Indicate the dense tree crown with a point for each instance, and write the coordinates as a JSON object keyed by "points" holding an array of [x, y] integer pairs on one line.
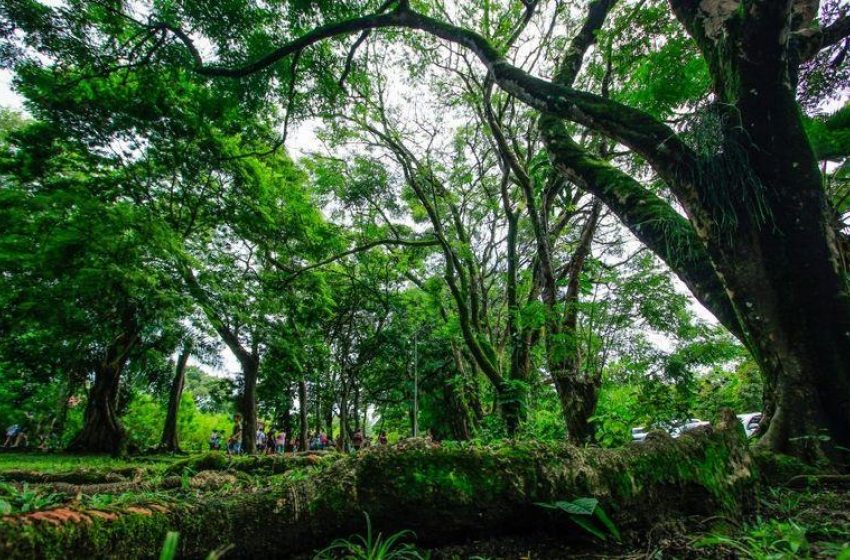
{"points": [[497, 218]]}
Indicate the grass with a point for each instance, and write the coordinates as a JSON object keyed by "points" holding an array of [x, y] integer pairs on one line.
{"points": [[56, 463]]}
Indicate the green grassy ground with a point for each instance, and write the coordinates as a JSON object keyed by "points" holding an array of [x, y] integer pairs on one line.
{"points": [[55, 463]]}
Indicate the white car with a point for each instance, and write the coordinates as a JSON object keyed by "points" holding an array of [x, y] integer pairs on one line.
{"points": [[639, 433], [687, 426], [750, 421]]}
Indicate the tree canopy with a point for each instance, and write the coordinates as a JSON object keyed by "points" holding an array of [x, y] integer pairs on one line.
{"points": [[489, 218]]}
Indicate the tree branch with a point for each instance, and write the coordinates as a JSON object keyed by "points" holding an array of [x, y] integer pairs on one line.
{"points": [[651, 138], [359, 249]]}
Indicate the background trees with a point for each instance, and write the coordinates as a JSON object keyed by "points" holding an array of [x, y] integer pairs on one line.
{"points": [[502, 220]]}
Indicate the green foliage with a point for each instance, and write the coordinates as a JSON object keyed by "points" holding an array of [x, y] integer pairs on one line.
{"points": [[587, 514], [145, 417], [372, 547], [769, 540], [169, 547], [26, 499]]}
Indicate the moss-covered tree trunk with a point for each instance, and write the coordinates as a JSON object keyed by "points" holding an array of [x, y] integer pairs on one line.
{"points": [[758, 247], [102, 431], [442, 494], [767, 225], [169, 440]]}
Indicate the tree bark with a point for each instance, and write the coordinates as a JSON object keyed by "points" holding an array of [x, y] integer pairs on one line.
{"points": [[578, 389], [770, 233], [102, 431], [248, 405], [170, 441]]}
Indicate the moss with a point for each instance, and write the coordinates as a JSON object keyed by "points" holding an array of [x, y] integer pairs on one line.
{"points": [[258, 464], [776, 469], [77, 476], [440, 493]]}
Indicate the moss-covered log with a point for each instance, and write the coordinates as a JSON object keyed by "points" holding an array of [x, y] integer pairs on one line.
{"points": [[77, 476], [255, 464], [441, 493]]}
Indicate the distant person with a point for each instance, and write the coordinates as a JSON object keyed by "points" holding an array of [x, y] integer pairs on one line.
{"points": [[357, 439], [270, 441], [215, 441], [280, 443], [316, 442], [23, 432], [382, 438], [260, 440], [323, 437], [234, 444], [12, 435]]}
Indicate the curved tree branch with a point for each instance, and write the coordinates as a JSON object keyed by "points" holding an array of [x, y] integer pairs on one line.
{"points": [[643, 133]]}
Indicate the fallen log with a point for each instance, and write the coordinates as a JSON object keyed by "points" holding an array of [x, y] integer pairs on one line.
{"points": [[255, 464], [441, 493]]}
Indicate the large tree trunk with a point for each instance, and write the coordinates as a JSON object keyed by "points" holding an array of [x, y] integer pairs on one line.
{"points": [[768, 227], [248, 405], [468, 493], [457, 413], [169, 440], [102, 431]]}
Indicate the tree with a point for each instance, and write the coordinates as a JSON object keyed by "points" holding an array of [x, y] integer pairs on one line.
{"points": [[777, 282], [169, 440], [756, 240]]}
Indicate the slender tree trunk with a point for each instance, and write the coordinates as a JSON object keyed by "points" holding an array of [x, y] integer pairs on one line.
{"points": [[318, 396], [343, 418], [102, 431], [248, 405], [302, 412], [578, 389], [169, 440], [356, 408], [289, 426], [63, 405], [329, 420]]}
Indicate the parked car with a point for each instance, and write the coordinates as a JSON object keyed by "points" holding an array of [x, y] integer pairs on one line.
{"points": [[639, 434], [750, 421], [687, 426]]}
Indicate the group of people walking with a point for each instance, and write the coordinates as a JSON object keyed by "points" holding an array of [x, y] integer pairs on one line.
{"points": [[270, 441], [18, 434]]}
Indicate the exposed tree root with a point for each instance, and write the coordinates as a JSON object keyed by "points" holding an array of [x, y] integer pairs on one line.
{"points": [[81, 476]]}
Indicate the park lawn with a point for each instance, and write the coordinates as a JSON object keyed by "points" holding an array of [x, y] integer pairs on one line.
{"points": [[56, 462]]}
